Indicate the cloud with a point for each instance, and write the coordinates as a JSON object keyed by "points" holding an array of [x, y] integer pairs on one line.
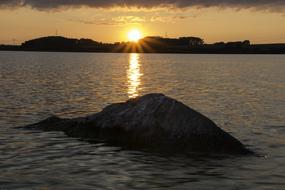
{"points": [[115, 21], [167, 19], [123, 20], [273, 5]]}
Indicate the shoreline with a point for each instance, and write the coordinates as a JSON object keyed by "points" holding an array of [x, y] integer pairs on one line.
{"points": [[181, 45], [193, 53]]}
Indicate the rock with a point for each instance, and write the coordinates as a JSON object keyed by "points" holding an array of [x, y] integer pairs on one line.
{"points": [[150, 121]]}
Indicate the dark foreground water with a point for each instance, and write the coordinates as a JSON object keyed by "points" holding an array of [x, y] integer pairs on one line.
{"points": [[243, 94]]}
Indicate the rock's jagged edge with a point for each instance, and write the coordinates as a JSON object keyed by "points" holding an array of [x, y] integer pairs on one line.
{"points": [[151, 121]]}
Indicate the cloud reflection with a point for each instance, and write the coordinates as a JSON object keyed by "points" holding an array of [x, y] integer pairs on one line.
{"points": [[134, 75]]}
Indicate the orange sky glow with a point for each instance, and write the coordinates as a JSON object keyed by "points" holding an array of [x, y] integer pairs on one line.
{"points": [[113, 24]]}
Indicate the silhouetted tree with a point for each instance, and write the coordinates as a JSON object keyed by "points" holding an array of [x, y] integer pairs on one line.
{"points": [[193, 41], [246, 42]]}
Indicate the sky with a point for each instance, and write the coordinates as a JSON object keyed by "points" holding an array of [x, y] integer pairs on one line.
{"points": [[260, 21]]}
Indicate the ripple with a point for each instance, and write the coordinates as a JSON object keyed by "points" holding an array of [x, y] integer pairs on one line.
{"points": [[244, 94]]}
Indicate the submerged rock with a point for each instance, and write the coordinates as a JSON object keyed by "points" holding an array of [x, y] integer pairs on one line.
{"points": [[150, 121]]}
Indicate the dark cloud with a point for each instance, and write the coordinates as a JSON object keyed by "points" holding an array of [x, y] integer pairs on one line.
{"points": [[277, 5]]}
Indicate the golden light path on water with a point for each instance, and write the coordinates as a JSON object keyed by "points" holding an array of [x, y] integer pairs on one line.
{"points": [[134, 75]]}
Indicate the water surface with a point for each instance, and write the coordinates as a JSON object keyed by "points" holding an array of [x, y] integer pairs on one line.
{"points": [[243, 94]]}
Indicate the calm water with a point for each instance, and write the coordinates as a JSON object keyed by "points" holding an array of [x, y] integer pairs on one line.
{"points": [[243, 94]]}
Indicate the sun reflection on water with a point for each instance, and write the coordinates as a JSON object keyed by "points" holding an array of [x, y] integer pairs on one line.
{"points": [[134, 75]]}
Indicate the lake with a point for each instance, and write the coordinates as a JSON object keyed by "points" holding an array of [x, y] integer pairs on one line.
{"points": [[243, 94]]}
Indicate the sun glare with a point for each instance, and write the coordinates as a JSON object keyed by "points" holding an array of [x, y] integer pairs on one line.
{"points": [[134, 35]]}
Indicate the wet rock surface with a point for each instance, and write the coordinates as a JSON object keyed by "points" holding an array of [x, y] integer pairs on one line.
{"points": [[151, 121]]}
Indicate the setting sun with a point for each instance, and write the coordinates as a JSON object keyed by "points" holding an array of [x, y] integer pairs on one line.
{"points": [[134, 35]]}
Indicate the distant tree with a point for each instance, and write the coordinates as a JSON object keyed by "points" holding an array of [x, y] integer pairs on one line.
{"points": [[239, 44], [193, 41], [87, 43], [246, 42], [219, 44], [59, 43]]}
